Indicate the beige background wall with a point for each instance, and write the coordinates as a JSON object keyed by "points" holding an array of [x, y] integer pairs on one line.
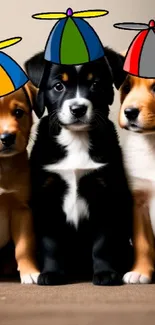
{"points": [[15, 20]]}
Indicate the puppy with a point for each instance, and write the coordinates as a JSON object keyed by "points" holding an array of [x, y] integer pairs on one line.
{"points": [[137, 114], [15, 214], [80, 198]]}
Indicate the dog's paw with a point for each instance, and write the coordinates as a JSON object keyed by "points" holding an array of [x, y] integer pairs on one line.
{"points": [[31, 278], [51, 278], [134, 277], [107, 279]]}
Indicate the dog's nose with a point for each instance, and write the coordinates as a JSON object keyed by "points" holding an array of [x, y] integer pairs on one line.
{"points": [[131, 113], [78, 110], [8, 139]]}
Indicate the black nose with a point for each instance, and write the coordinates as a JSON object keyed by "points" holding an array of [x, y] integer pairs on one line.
{"points": [[131, 113], [78, 110], [8, 139]]}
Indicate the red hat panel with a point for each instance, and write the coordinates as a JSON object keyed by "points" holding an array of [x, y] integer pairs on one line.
{"points": [[133, 56]]}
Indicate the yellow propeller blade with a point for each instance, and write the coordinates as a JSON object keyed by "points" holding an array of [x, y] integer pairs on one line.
{"points": [[90, 13], [49, 15], [9, 42]]}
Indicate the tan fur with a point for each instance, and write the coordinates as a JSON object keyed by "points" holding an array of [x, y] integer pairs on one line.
{"points": [[141, 96], [139, 158], [15, 214], [143, 239]]}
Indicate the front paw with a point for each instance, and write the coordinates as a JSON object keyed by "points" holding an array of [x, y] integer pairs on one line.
{"points": [[29, 278], [107, 279], [51, 279], [135, 277]]}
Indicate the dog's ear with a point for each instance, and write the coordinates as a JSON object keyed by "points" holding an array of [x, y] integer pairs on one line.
{"points": [[35, 98], [116, 62], [34, 68], [31, 93], [40, 105]]}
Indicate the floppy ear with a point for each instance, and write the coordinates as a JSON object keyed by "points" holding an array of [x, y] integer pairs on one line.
{"points": [[35, 98], [116, 62], [40, 104], [31, 93], [34, 68]]}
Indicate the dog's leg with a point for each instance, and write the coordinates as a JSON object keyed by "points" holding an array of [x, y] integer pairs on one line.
{"points": [[104, 274], [53, 272], [106, 246], [143, 242], [23, 237]]}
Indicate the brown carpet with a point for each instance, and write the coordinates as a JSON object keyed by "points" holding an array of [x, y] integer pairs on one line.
{"points": [[79, 304]]}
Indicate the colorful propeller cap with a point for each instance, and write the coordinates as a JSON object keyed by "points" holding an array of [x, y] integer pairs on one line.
{"points": [[73, 41], [12, 77], [140, 57]]}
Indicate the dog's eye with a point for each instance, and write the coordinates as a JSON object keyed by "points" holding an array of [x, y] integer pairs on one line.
{"points": [[95, 86], [153, 88], [126, 88], [18, 113], [59, 86]]}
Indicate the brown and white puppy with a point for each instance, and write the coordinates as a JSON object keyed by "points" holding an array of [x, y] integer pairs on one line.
{"points": [[15, 214], [137, 114]]}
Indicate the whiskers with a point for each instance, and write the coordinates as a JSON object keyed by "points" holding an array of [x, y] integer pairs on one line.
{"points": [[53, 121], [100, 120]]}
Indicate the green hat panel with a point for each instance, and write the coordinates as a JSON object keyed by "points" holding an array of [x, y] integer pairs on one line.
{"points": [[73, 48]]}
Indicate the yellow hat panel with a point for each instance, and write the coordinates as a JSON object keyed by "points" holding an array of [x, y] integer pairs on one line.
{"points": [[6, 85]]}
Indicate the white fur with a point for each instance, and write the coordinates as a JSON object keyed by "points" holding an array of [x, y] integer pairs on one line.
{"points": [[139, 158], [65, 114], [71, 169], [29, 278], [135, 278], [5, 191], [139, 154], [78, 68]]}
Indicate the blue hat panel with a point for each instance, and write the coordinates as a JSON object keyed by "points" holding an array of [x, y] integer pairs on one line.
{"points": [[13, 70], [93, 43], [52, 50]]}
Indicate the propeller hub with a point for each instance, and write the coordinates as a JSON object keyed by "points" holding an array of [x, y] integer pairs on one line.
{"points": [[69, 12], [152, 24]]}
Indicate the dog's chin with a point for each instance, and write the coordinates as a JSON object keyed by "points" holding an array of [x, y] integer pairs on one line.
{"points": [[8, 152], [76, 126], [133, 128], [136, 128]]}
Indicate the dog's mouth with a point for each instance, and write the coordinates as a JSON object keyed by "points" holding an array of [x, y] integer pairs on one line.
{"points": [[77, 125], [135, 127]]}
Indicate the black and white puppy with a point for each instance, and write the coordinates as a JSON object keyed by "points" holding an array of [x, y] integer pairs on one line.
{"points": [[80, 198]]}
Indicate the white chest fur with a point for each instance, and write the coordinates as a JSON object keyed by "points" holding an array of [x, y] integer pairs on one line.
{"points": [[139, 154], [75, 165]]}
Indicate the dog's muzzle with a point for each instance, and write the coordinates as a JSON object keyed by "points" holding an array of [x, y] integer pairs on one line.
{"points": [[76, 111]]}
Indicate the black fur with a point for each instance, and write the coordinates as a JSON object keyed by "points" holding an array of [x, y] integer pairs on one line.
{"points": [[41, 72], [100, 246]]}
